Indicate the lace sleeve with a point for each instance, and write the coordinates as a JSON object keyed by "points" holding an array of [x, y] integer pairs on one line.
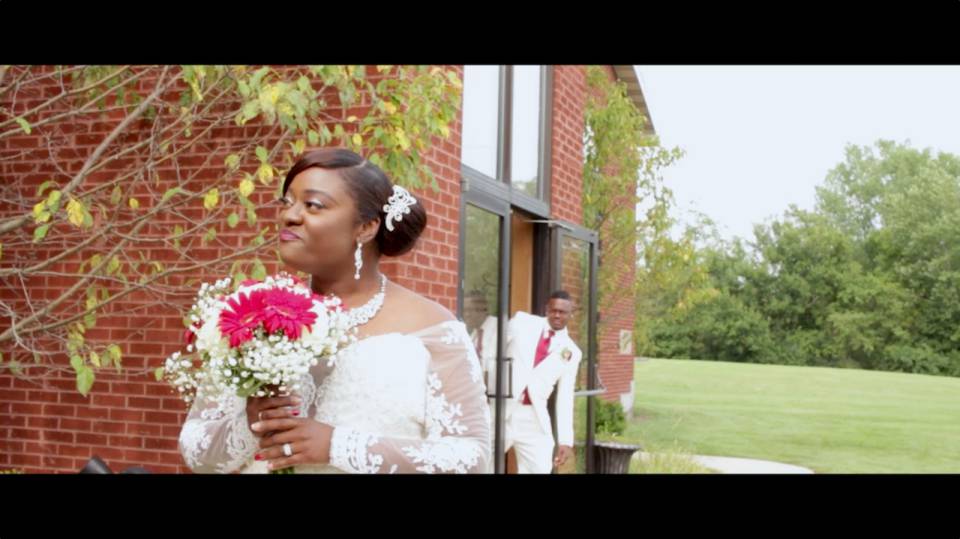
{"points": [[457, 418], [216, 437]]}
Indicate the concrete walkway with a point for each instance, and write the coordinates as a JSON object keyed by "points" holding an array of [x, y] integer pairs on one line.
{"points": [[735, 465]]}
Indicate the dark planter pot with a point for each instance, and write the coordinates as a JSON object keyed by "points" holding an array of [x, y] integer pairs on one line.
{"points": [[613, 458], [96, 466]]}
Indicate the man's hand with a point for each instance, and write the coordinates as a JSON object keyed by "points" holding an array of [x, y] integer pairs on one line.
{"points": [[564, 453]]}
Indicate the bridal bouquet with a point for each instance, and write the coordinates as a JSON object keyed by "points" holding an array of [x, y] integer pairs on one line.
{"points": [[259, 340]]}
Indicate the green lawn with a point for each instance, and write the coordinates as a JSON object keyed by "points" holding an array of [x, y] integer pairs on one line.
{"points": [[829, 420]]}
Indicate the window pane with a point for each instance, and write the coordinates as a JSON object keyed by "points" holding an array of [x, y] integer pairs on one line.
{"points": [[481, 90], [525, 142], [575, 279], [481, 287]]}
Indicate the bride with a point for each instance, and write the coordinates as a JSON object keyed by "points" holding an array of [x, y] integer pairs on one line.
{"points": [[407, 397]]}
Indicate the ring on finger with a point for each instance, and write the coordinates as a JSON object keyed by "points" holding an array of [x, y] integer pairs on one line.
{"points": [[287, 449]]}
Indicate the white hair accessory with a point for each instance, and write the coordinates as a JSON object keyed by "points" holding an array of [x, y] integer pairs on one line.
{"points": [[397, 205]]}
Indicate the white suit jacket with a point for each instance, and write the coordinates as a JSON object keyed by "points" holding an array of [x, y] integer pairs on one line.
{"points": [[522, 339], [488, 351]]}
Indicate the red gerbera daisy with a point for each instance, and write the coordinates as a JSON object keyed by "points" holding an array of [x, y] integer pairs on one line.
{"points": [[287, 311], [243, 314]]}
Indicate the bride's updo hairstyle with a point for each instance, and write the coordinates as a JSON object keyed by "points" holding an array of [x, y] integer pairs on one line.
{"points": [[370, 189]]}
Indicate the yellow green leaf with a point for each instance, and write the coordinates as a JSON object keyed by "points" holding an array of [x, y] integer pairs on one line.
{"points": [[265, 173], [211, 199], [40, 232], [134, 203], [272, 94], [25, 125], [85, 379], [246, 187], [357, 139], [113, 351], [196, 90], [170, 193], [43, 187], [390, 107], [75, 212], [303, 83], [232, 161], [40, 213], [250, 109], [258, 272], [114, 265], [402, 139], [15, 367]]}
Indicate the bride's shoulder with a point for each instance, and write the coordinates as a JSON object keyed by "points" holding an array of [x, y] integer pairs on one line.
{"points": [[417, 312]]}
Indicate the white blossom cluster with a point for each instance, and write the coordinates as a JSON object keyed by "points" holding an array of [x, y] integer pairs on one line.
{"points": [[264, 366]]}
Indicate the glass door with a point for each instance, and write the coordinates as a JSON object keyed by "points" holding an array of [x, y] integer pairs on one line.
{"points": [[484, 302], [574, 269]]}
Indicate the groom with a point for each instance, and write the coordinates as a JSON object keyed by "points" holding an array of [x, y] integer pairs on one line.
{"points": [[543, 354]]}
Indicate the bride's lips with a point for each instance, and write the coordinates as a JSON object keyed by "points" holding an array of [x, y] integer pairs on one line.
{"points": [[288, 235]]}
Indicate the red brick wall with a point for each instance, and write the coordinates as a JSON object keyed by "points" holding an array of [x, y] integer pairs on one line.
{"points": [[432, 268], [129, 418], [616, 369], [570, 87], [566, 174]]}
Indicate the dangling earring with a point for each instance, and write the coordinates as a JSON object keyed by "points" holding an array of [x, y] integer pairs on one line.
{"points": [[358, 260]]}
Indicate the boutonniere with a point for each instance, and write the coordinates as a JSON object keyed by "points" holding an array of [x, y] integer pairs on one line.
{"points": [[566, 354]]}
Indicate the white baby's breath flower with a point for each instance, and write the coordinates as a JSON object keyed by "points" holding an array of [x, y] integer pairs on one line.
{"points": [[265, 360]]}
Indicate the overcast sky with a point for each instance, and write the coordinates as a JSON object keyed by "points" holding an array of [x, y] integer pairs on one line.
{"points": [[759, 138]]}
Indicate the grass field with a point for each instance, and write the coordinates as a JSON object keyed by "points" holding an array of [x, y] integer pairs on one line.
{"points": [[829, 420]]}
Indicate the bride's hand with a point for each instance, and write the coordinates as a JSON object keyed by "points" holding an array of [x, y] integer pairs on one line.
{"points": [[260, 408], [309, 442]]}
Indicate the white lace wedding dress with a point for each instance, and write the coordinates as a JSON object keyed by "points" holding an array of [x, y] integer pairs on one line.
{"points": [[399, 403]]}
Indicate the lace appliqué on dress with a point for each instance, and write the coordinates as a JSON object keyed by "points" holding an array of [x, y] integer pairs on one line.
{"points": [[241, 443], [439, 452], [456, 333], [441, 416], [349, 451], [450, 454], [194, 440]]}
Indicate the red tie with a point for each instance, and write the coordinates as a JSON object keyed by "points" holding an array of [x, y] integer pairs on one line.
{"points": [[542, 348]]}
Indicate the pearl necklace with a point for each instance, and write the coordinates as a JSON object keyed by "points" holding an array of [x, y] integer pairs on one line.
{"points": [[361, 315]]}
